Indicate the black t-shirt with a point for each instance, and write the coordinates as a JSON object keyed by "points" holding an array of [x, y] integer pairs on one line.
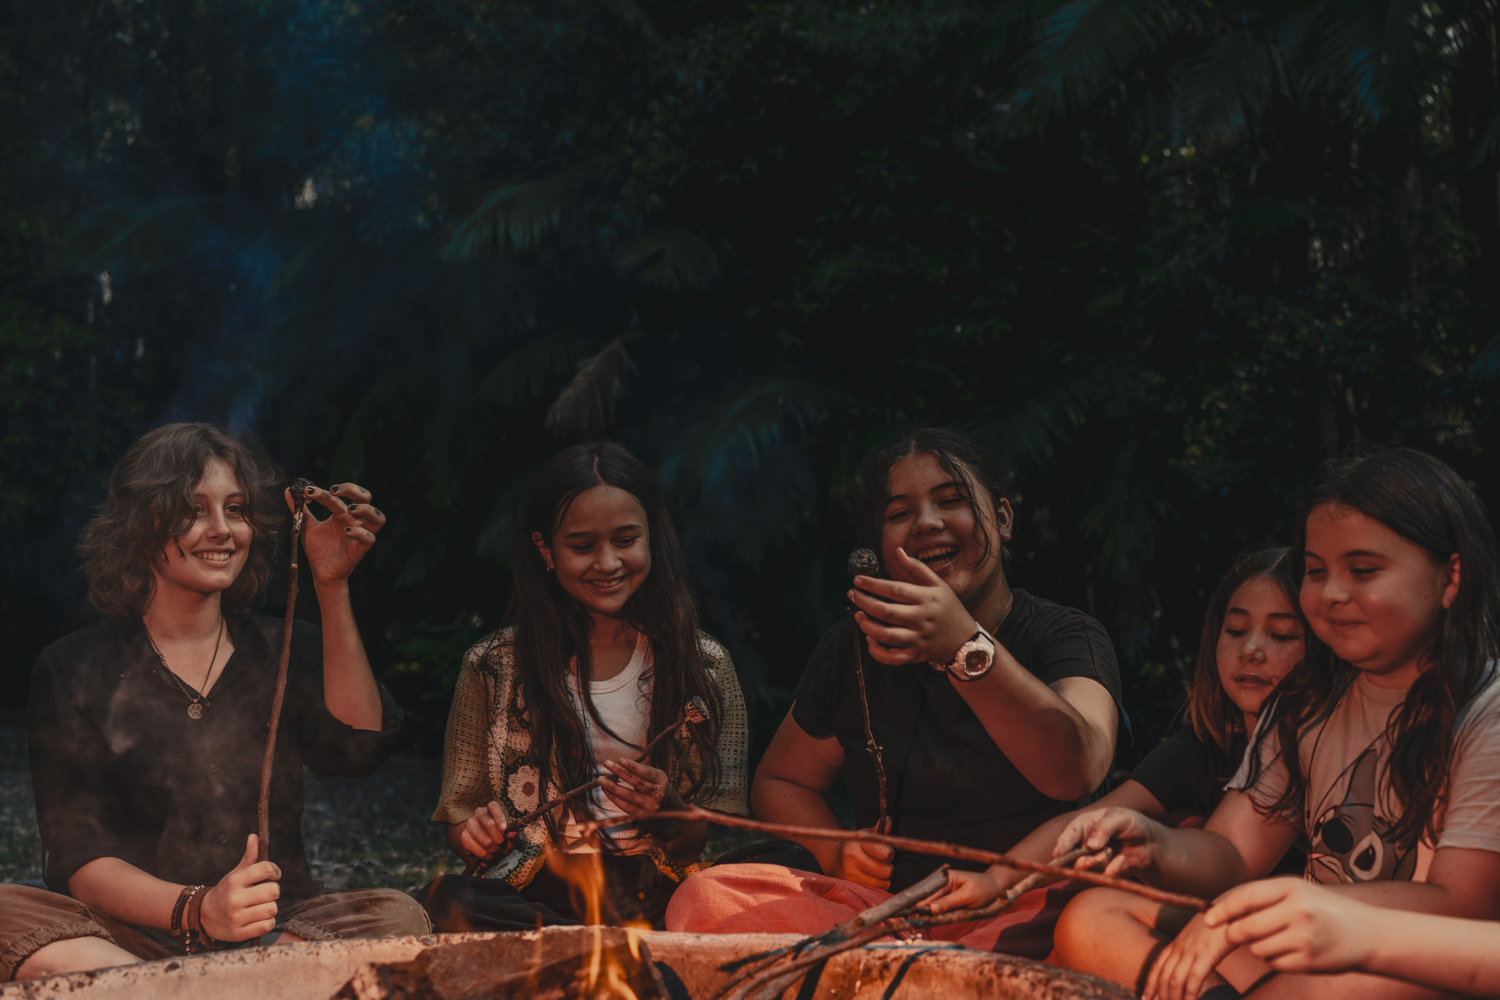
{"points": [[947, 779], [1184, 772]]}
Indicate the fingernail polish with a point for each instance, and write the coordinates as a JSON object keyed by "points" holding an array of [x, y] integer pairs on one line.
{"points": [[311, 490], [353, 505], [333, 489], [347, 530]]}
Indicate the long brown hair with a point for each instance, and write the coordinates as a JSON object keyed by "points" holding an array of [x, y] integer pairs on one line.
{"points": [[1213, 717], [1424, 501], [551, 627], [151, 501]]}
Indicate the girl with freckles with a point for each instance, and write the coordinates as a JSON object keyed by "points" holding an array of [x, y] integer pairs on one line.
{"points": [[147, 732], [601, 656], [1383, 752], [995, 709]]}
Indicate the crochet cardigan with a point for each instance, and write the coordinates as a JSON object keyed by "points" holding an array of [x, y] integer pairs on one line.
{"points": [[487, 753]]}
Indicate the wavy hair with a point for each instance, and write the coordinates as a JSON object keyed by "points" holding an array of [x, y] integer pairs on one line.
{"points": [[552, 627], [151, 502], [1213, 717], [1424, 501]]}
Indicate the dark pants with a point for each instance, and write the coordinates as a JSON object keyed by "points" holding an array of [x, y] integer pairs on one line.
{"points": [[634, 890]]}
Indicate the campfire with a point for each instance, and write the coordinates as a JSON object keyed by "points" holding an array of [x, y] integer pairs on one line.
{"points": [[859, 960], [560, 962]]}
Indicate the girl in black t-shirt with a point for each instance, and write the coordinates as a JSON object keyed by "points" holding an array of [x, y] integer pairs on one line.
{"points": [[1252, 637], [965, 677]]}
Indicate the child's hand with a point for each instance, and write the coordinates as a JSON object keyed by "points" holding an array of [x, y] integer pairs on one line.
{"points": [[1181, 971], [1295, 926], [926, 623], [864, 863], [1122, 840], [486, 834], [637, 788], [243, 905], [335, 545], [967, 890]]}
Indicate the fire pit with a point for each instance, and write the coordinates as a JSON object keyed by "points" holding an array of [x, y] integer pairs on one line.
{"points": [[474, 966]]}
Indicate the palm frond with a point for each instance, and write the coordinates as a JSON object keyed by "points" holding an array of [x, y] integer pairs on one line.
{"points": [[1231, 83], [1082, 48], [1373, 50], [526, 372], [512, 218], [742, 426], [494, 535], [125, 238], [1045, 419], [586, 406], [673, 258]]}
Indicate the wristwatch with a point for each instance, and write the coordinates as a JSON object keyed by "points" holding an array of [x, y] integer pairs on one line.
{"points": [[974, 658]]}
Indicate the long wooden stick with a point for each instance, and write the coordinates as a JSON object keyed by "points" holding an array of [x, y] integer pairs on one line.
{"points": [[695, 711], [263, 810], [478, 866], [933, 847]]}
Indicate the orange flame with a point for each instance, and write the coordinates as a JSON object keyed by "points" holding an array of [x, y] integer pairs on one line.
{"points": [[584, 873]]}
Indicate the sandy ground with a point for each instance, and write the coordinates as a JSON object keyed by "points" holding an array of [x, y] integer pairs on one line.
{"points": [[375, 831]]}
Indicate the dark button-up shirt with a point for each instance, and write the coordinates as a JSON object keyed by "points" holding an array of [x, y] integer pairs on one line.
{"points": [[119, 769]]}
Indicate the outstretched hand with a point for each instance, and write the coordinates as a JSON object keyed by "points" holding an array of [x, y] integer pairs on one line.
{"points": [[1294, 925], [1122, 842], [924, 621], [335, 545], [967, 890]]}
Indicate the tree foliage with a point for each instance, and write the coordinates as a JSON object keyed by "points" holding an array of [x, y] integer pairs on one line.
{"points": [[1162, 258]]}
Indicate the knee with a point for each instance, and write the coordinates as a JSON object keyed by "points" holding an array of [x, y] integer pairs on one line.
{"points": [[395, 914], [1081, 922]]}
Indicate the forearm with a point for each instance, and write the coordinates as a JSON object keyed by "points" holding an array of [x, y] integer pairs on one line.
{"points": [[121, 890], [349, 688], [1446, 953], [1415, 897], [1050, 742], [777, 800], [1197, 862]]}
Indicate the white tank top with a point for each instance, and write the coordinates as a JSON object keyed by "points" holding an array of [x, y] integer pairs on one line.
{"points": [[624, 703]]}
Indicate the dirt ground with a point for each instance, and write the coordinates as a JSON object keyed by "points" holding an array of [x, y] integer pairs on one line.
{"points": [[375, 831]]}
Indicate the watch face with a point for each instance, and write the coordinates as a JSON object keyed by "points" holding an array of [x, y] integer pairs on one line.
{"points": [[977, 662]]}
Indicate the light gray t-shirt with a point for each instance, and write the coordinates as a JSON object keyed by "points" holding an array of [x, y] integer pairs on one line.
{"points": [[1349, 808]]}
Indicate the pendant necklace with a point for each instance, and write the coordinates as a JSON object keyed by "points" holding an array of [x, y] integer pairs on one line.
{"points": [[194, 710]]}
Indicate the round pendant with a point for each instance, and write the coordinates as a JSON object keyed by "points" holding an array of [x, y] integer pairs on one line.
{"points": [[195, 711]]}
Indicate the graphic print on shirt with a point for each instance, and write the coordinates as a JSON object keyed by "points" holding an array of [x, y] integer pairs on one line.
{"points": [[1350, 841]]}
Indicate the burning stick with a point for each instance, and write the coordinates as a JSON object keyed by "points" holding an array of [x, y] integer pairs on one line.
{"points": [[695, 711], [299, 502], [864, 562], [936, 848]]}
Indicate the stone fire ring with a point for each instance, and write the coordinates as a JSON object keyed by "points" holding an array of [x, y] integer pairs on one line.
{"points": [[316, 970]]}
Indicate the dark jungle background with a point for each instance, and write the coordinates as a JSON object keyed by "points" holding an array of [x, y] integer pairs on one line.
{"points": [[1162, 257]]}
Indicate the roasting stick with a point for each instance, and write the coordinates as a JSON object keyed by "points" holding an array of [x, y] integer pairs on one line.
{"points": [[695, 711], [864, 561], [263, 810], [933, 847]]}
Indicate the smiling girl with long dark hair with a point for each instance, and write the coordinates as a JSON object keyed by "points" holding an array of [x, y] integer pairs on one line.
{"points": [[602, 656], [1383, 751]]}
